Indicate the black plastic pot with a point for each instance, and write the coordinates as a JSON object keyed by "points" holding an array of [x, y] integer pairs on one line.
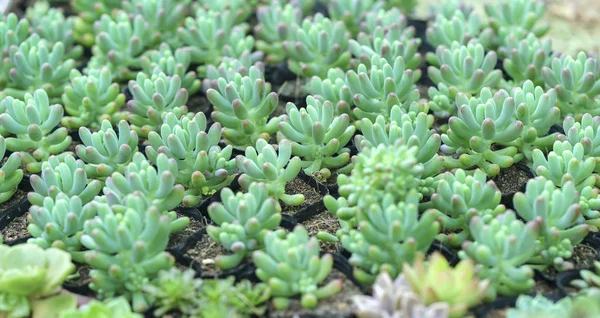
{"points": [[278, 74], [14, 210], [590, 240], [564, 279], [448, 253], [316, 208]]}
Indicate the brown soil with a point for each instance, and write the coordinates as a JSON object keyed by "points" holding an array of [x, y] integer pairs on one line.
{"points": [[326, 222], [178, 238], [16, 198], [16, 229], [339, 305], [311, 195], [583, 257], [497, 313], [199, 103], [510, 180], [292, 91], [204, 252], [84, 275]]}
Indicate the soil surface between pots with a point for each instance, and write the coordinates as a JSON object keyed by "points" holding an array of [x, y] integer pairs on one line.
{"points": [[299, 186], [16, 229], [325, 222]]}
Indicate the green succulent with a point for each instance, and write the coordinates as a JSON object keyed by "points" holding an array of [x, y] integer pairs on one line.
{"points": [[230, 67], [239, 8], [62, 175], [203, 167], [448, 8], [584, 132], [520, 18], [540, 307], [460, 28], [318, 137], [116, 307], [171, 63], [153, 97], [291, 265], [243, 106], [387, 19], [525, 59], [576, 82], [163, 16], [275, 23], [58, 223], [226, 297], [561, 221], [90, 99], [87, 14], [275, 168], [589, 281], [105, 152], [405, 6], [317, 45], [10, 172], [30, 279], [242, 221], [585, 306], [501, 248], [440, 100], [458, 198], [174, 289], [351, 12], [52, 25], [126, 249], [332, 89], [377, 90], [14, 31]]}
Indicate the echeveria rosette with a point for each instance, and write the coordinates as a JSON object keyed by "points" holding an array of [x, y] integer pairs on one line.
{"points": [[109, 308], [230, 67], [242, 221], [243, 107], [479, 124], [520, 18], [566, 163], [203, 167], [458, 198], [33, 123], [275, 168], [175, 289], [62, 175], [524, 59], [275, 22], [352, 12], [89, 99], [105, 151], [389, 234], [14, 31], [37, 65], [577, 84], [291, 265], [318, 136], [126, 249], [407, 130], [559, 213], [30, 281], [501, 248], [10, 172], [171, 62], [585, 132], [465, 68], [58, 223], [154, 96], [376, 90], [317, 45], [120, 43], [333, 89]]}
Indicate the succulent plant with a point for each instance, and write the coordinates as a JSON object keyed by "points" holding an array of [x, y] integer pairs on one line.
{"points": [[52, 25], [90, 99], [318, 137], [449, 8], [243, 106], [58, 223], [30, 281], [503, 264], [576, 82], [242, 221], [105, 152], [351, 12], [561, 221], [479, 124], [405, 6], [519, 17], [317, 45], [389, 234], [291, 265], [585, 306], [589, 281], [377, 90], [226, 297], [88, 13], [458, 198], [440, 101], [395, 298], [171, 63], [33, 122], [239, 8], [275, 22], [110, 308], [174, 289], [62, 175], [411, 131], [540, 306], [332, 89], [230, 67], [126, 249], [275, 168], [203, 167], [584, 132], [14, 32], [525, 59], [154, 96], [460, 28], [163, 16], [435, 281], [10, 172], [465, 68], [37, 65]]}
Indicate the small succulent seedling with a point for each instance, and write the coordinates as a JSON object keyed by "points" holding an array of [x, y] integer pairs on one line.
{"points": [[525, 59], [175, 289], [585, 132], [332, 89], [171, 62], [527, 306], [275, 23], [10, 172]]}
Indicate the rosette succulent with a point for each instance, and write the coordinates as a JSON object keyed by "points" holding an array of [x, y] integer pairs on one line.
{"points": [[110, 308], [52, 25], [351, 12], [162, 16], [10, 172], [460, 28], [87, 14], [275, 22], [520, 17], [584, 132], [332, 89], [230, 67], [171, 63], [540, 306], [175, 289], [525, 59], [14, 32]]}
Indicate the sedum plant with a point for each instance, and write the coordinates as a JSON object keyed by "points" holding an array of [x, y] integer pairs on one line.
{"points": [[589, 281], [10, 172], [518, 17], [33, 123], [352, 12], [242, 107], [174, 289], [501, 248], [203, 167], [460, 28], [14, 31], [332, 89], [458, 198], [225, 297], [51, 25], [576, 82], [242, 221], [318, 137], [154, 96], [115, 307], [317, 45], [275, 24], [30, 281], [540, 306], [561, 220], [62, 175], [584, 132], [105, 152], [230, 67], [87, 14], [291, 265], [90, 99], [449, 8], [171, 63], [275, 168], [240, 8], [162, 16], [525, 59]]}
